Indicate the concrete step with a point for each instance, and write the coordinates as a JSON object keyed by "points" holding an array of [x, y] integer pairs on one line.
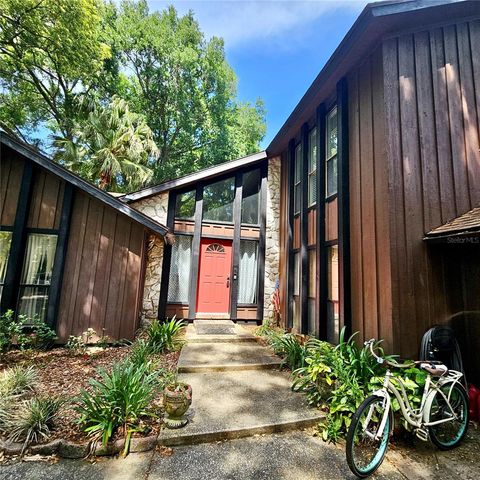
{"points": [[200, 357], [239, 335], [238, 404]]}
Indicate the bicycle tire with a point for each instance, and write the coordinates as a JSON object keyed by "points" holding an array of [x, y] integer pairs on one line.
{"points": [[373, 464], [459, 397]]}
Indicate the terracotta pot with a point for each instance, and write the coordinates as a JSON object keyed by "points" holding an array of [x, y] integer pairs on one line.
{"points": [[177, 400]]}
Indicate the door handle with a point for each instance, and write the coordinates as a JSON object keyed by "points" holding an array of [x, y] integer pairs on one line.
{"points": [[228, 282]]}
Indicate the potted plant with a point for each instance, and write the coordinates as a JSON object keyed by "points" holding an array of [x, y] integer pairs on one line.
{"points": [[177, 398]]}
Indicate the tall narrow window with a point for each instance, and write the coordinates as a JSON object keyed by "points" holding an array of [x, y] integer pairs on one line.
{"points": [[36, 275], [250, 197], [218, 201], [331, 154], [312, 291], [297, 181], [333, 302], [312, 167], [5, 244], [247, 281], [185, 205], [296, 291], [179, 281]]}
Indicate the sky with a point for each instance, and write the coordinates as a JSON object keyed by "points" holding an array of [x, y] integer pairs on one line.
{"points": [[276, 48]]}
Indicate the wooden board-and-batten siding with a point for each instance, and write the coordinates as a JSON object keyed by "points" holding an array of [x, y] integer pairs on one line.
{"points": [[432, 93], [103, 277]]}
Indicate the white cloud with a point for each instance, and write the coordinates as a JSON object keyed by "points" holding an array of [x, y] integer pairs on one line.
{"points": [[240, 22]]}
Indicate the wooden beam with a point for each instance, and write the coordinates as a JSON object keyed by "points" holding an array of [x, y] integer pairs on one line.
{"points": [[60, 254], [167, 259], [291, 207], [304, 233], [322, 274], [343, 208], [237, 229], [192, 297], [15, 259], [261, 244]]}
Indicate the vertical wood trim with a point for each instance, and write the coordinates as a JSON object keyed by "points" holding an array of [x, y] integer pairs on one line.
{"points": [[322, 274], [261, 244], [343, 206], [15, 259], [304, 233], [195, 252], [60, 254], [167, 259], [290, 265], [237, 227]]}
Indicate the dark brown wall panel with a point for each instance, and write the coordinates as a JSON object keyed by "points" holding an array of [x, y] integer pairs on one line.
{"points": [[369, 214], [431, 101], [103, 272], [11, 170], [46, 202], [312, 227]]}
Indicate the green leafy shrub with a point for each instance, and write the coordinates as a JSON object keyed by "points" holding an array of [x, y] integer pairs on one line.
{"points": [[9, 330], [141, 352], [35, 334], [16, 380], [30, 420], [341, 377], [166, 336], [119, 399], [288, 346]]}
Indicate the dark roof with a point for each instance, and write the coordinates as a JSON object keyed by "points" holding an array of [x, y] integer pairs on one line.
{"points": [[375, 22], [467, 223], [81, 184], [206, 173]]}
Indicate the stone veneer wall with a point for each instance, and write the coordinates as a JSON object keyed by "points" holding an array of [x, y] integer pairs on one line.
{"points": [[272, 234], [156, 208]]}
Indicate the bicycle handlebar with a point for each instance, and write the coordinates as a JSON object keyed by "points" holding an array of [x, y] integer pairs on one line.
{"points": [[381, 360]]}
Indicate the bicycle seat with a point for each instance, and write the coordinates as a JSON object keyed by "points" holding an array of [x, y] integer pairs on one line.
{"points": [[434, 369]]}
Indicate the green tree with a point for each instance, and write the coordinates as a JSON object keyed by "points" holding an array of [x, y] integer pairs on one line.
{"points": [[112, 147], [50, 51], [186, 89]]}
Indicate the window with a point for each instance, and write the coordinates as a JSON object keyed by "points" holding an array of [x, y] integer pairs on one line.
{"points": [[312, 167], [331, 154], [333, 301], [179, 281], [5, 244], [185, 205], [36, 275], [250, 197], [218, 201], [296, 292], [297, 180], [312, 289], [247, 275]]}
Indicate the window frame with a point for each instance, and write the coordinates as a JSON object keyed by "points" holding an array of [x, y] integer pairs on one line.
{"points": [[210, 184], [259, 197], [22, 286], [297, 179], [178, 195], [330, 158], [312, 171]]}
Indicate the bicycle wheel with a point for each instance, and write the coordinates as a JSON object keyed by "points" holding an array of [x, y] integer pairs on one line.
{"points": [[364, 452], [449, 434]]}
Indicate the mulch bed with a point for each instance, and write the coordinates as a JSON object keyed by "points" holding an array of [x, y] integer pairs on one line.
{"points": [[62, 374]]}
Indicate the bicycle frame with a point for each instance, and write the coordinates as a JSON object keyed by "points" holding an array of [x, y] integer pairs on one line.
{"points": [[417, 418]]}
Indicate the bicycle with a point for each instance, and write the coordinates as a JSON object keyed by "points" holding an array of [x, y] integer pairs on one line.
{"points": [[442, 416]]}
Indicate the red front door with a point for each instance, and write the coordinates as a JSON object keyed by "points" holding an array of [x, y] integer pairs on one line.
{"points": [[213, 293]]}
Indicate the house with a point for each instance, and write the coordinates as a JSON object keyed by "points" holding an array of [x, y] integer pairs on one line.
{"points": [[71, 254], [362, 211]]}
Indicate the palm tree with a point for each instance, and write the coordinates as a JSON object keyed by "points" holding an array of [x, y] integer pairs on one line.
{"points": [[113, 147]]}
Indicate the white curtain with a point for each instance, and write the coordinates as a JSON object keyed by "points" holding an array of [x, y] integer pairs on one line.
{"points": [[37, 275], [247, 285], [179, 282]]}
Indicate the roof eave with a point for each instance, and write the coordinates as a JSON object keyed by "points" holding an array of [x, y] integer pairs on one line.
{"points": [[82, 184]]}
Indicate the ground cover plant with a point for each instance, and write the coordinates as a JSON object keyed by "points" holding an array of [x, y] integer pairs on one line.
{"points": [[88, 389], [338, 377]]}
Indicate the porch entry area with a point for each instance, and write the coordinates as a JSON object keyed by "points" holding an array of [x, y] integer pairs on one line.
{"points": [[213, 291]]}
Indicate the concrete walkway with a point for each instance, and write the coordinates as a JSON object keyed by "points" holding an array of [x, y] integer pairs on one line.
{"points": [[238, 389]]}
